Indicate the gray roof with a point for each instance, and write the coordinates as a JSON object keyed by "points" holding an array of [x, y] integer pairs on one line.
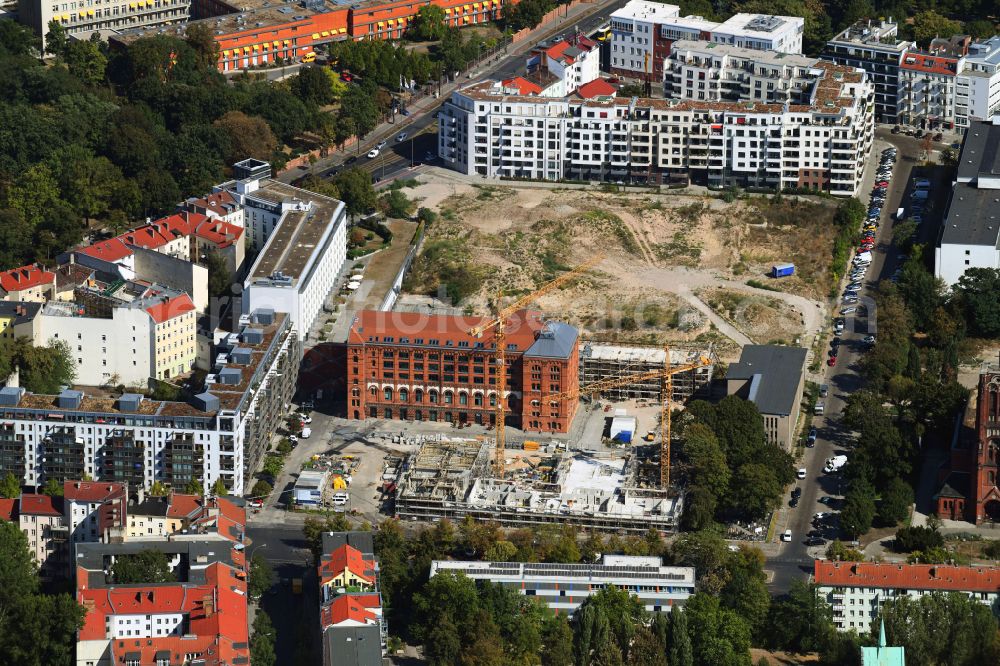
{"points": [[361, 541], [196, 554], [774, 373], [352, 646], [12, 309], [980, 154], [973, 217], [555, 340], [154, 506]]}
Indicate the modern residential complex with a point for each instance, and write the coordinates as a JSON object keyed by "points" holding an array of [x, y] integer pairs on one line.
{"points": [[875, 47], [857, 590], [351, 620], [970, 233], [978, 84], [559, 69], [563, 587], [772, 377], [221, 434], [199, 617], [643, 31], [970, 482], [411, 366], [822, 145], [706, 71]]}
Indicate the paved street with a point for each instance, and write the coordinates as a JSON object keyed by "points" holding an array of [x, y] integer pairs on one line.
{"points": [[794, 560]]}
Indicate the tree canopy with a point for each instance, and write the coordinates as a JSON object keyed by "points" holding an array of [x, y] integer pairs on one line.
{"points": [[147, 566]]}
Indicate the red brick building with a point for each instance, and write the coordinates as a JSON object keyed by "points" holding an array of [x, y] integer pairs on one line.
{"points": [[970, 488], [418, 367]]}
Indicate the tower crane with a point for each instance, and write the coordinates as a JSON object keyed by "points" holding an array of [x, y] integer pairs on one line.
{"points": [[665, 375], [498, 324]]}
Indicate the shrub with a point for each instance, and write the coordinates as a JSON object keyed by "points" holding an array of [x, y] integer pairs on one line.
{"points": [[909, 539]]}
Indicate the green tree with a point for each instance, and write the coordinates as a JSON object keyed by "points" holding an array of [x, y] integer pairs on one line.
{"points": [[708, 553], [937, 628], [194, 487], [219, 277], [929, 24], [746, 590], [312, 86], [219, 488], [922, 291], [56, 39], [556, 642], [356, 191], [18, 40], [146, 566], [841, 553], [397, 204], [859, 509], [10, 486], [428, 25], [358, 104], [86, 61], [249, 136], [200, 38], [979, 28], [917, 538], [313, 529], [261, 576], [799, 621], [261, 489], [895, 504], [427, 216], [707, 463], [158, 490], [53, 488], [679, 639], [975, 293], [757, 490], [718, 635], [262, 640]]}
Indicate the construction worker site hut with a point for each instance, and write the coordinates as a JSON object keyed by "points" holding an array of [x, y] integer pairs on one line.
{"points": [[601, 491]]}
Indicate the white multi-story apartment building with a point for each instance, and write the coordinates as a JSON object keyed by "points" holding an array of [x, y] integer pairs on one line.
{"points": [[875, 47], [642, 33], [222, 434], [563, 587], [970, 234], [81, 18], [761, 32], [857, 590], [301, 242], [93, 508], [822, 145], [928, 89], [977, 93], [699, 70], [561, 68]]}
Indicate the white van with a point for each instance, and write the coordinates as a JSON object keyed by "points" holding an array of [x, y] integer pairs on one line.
{"points": [[340, 498], [306, 432], [862, 259]]}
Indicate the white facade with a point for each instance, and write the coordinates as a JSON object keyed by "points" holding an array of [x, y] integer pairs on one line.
{"points": [[563, 587], [297, 269], [155, 625], [633, 33], [700, 70], [857, 590], [572, 69], [825, 145], [81, 18], [761, 32], [978, 84], [953, 259], [102, 348]]}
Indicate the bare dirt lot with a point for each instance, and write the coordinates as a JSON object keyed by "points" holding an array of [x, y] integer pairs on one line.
{"points": [[666, 257]]}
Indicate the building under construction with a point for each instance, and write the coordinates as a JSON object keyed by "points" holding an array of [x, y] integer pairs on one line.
{"points": [[602, 361], [603, 491]]}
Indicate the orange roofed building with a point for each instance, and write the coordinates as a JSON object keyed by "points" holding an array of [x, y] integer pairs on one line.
{"points": [[857, 590], [351, 620], [418, 367], [201, 618]]}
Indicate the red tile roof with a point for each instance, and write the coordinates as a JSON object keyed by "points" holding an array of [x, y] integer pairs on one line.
{"points": [[25, 277], [221, 233], [346, 608], [92, 491], [39, 505], [216, 613], [8, 509], [112, 250], [349, 558], [907, 576], [917, 61], [523, 85], [170, 308], [183, 506], [216, 202], [520, 330], [596, 88]]}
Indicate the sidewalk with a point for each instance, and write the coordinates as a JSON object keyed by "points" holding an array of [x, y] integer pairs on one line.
{"points": [[428, 102]]}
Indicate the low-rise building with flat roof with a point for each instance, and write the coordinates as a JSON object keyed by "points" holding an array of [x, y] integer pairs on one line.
{"points": [[772, 377], [564, 587]]}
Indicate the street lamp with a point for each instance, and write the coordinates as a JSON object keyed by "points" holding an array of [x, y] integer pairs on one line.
{"points": [[251, 552]]}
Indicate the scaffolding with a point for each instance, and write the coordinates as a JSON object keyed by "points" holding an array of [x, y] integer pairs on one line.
{"points": [[603, 361]]}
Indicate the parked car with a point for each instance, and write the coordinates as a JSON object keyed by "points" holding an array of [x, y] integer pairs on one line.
{"points": [[832, 361], [401, 137], [812, 435], [382, 144], [801, 474], [373, 153], [797, 492], [869, 339], [815, 541], [787, 536], [794, 502], [847, 311]]}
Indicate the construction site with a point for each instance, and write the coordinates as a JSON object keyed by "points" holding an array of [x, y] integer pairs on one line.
{"points": [[600, 362], [615, 491]]}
